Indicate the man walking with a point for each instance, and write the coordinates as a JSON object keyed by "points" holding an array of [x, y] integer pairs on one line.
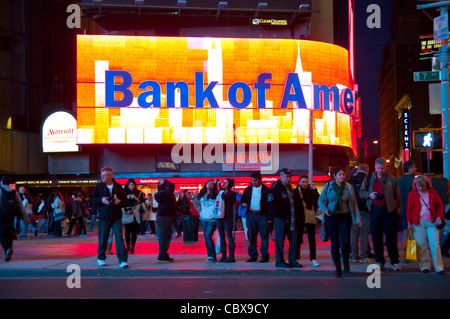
{"points": [[109, 197], [164, 218], [362, 232], [254, 199], [10, 207], [383, 199], [288, 217]]}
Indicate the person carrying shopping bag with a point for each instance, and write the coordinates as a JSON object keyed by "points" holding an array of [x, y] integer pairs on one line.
{"points": [[424, 213]]}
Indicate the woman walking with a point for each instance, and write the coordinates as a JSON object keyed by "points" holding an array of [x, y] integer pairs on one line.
{"points": [[132, 227], [58, 213], [225, 224], [424, 212], [207, 197], [310, 197], [338, 202]]}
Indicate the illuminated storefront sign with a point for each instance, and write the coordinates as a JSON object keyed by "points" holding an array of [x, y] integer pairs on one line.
{"points": [[59, 133], [153, 90], [247, 162]]}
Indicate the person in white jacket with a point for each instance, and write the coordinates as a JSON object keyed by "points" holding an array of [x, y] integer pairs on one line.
{"points": [[207, 197], [58, 213]]}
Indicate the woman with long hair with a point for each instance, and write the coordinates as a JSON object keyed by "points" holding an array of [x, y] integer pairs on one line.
{"points": [[309, 196], [225, 224], [338, 202], [207, 198], [425, 211], [133, 198]]}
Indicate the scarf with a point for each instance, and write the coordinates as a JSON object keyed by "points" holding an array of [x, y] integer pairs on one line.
{"points": [[339, 190], [290, 193]]}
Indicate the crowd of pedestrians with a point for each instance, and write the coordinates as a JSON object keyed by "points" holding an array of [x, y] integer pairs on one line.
{"points": [[352, 209]]}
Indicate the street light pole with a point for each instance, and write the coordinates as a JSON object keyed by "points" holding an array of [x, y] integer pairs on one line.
{"points": [[443, 58]]}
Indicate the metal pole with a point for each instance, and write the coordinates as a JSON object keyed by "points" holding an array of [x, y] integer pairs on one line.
{"points": [[310, 159], [234, 179], [445, 105], [443, 51]]}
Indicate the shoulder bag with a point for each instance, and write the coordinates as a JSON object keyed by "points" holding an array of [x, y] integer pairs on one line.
{"points": [[442, 224]]}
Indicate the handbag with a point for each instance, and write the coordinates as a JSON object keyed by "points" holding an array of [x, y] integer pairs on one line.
{"points": [[127, 215], [442, 224], [59, 216], [219, 212], [410, 247]]}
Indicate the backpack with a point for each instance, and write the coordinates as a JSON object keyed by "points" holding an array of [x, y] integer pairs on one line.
{"points": [[9, 204]]}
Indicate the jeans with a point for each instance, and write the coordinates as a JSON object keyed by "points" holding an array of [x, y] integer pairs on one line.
{"points": [[103, 234], [226, 226], [57, 229], [257, 223], [282, 229], [339, 227], [361, 233], [164, 230], [427, 240], [93, 221], [81, 226], [381, 221], [208, 230], [6, 232], [131, 231], [311, 231]]}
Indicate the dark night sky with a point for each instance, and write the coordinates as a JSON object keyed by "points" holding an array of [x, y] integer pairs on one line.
{"points": [[369, 45]]}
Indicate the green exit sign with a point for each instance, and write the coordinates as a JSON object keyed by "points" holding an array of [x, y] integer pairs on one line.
{"points": [[426, 76]]}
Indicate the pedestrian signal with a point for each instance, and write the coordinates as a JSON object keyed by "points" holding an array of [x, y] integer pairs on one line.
{"points": [[427, 140]]}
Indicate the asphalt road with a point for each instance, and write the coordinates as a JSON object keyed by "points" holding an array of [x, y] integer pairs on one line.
{"points": [[300, 286]]}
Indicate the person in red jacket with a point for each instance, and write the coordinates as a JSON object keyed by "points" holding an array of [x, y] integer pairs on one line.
{"points": [[423, 212]]}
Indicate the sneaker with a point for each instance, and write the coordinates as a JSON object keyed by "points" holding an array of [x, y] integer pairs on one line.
{"points": [[8, 254], [211, 260], [396, 267], [315, 263], [168, 260], [101, 262], [123, 264], [425, 271], [366, 260]]}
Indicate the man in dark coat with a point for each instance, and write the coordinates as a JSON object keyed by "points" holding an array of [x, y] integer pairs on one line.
{"points": [[164, 218], [109, 197], [286, 212]]}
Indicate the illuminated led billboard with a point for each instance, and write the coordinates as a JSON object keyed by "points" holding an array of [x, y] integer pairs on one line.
{"points": [[152, 90]]}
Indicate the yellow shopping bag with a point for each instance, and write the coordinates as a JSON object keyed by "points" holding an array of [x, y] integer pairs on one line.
{"points": [[410, 247]]}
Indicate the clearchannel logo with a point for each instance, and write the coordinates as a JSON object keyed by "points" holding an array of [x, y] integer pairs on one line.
{"points": [[269, 21]]}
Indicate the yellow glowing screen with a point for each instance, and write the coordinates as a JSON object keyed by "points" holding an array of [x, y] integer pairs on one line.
{"points": [[225, 60]]}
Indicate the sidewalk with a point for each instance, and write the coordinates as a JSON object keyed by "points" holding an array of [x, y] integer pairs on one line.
{"points": [[47, 256]]}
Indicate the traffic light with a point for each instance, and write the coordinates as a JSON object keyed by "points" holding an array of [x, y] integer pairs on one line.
{"points": [[427, 140]]}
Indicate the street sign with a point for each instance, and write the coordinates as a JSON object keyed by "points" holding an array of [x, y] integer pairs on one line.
{"points": [[440, 28], [426, 76]]}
